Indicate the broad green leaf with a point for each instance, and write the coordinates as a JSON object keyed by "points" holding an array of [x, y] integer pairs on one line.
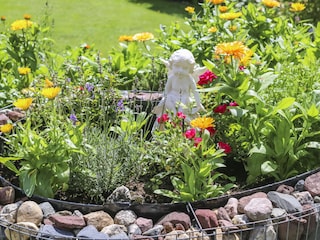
{"points": [[283, 104], [313, 111], [268, 167]]}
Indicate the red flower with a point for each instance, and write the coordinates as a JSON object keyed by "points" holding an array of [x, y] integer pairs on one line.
{"points": [[241, 68], [197, 140], [190, 133], [211, 130], [225, 146], [221, 108], [181, 115], [163, 118], [233, 104], [206, 77]]}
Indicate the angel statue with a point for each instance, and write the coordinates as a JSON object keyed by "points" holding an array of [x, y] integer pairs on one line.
{"points": [[180, 93]]}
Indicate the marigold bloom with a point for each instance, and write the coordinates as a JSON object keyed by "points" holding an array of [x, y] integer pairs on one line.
{"points": [[51, 92], [223, 9], [23, 103], [24, 70], [6, 128], [225, 146], [21, 24], [202, 122], [48, 83], [216, 2], [297, 7], [236, 49], [270, 3], [212, 29], [27, 16], [125, 38], [3, 18], [244, 61], [141, 37], [233, 28], [189, 9], [230, 15]]}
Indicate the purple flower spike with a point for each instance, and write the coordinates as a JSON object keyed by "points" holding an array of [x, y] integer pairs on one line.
{"points": [[89, 87], [73, 118]]}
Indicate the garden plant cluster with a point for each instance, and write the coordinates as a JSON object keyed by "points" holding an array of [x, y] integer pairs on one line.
{"points": [[261, 94]]}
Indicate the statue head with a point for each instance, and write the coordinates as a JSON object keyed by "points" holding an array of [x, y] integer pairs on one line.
{"points": [[181, 60]]}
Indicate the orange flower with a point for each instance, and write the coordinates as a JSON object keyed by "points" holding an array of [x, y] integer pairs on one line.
{"points": [[236, 49], [233, 28], [27, 16], [23, 103], [216, 2], [271, 3], [189, 9], [21, 24], [125, 38], [223, 9], [3, 18], [48, 83], [202, 122]]}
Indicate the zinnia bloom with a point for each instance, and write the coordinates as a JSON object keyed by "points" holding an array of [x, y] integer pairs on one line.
{"points": [[225, 146], [51, 92], [181, 115], [216, 2], [212, 29], [223, 9], [236, 49], [221, 108], [6, 128], [163, 118], [297, 7], [206, 77], [24, 70], [271, 3], [190, 133], [189, 9], [48, 83], [233, 104], [21, 24], [230, 15], [202, 122], [211, 130], [125, 38], [197, 140], [141, 37], [23, 103]]}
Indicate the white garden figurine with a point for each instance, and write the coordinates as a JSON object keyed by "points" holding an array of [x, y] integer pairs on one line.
{"points": [[180, 93]]}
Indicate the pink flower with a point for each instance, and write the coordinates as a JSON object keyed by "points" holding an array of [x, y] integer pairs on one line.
{"points": [[233, 104], [241, 68], [206, 77], [163, 118], [221, 108], [225, 146], [181, 115], [197, 140], [211, 130], [190, 133]]}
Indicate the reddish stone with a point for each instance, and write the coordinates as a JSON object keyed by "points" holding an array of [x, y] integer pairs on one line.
{"points": [[207, 218], [7, 195], [312, 184], [285, 189], [67, 222], [245, 200], [175, 218]]}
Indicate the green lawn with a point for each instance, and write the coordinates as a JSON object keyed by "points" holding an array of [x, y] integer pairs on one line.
{"points": [[96, 22]]}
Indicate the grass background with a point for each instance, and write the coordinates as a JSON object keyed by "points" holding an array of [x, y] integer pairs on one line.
{"points": [[98, 23]]}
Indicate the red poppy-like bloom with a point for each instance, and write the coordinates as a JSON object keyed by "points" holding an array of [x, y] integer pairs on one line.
{"points": [[211, 130], [163, 118], [181, 115], [221, 108], [206, 77], [197, 140], [225, 146], [233, 104], [190, 133]]}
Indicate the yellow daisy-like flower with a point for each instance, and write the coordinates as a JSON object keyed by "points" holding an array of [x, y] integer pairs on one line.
{"points": [[202, 122], [23, 103], [48, 83], [125, 38], [230, 15], [236, 49], [141, 37], [6, 128], [216, 2], [212, 29], [297, 7], [24, 70], [271, 3], [189, 9], [223, 9], [50, 92], [21, 24], [233, 28], [244, 61]]}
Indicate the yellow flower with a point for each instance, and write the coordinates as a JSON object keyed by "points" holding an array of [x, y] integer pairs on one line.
{"points": [[202, 122], [6, 128], [236, 49], [141, 37], [21, 24], [189, 9], [297, 7], [3, 18], [50, 92], [233, 28], [48, 83], [230, 15], [23, 103], [223, 9], [244, 61], [24, 70], [216, 2], [125, 38], [27, 16], [212, 29], [271, 3]]}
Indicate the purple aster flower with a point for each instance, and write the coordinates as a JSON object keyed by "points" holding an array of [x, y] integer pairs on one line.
{"points": [[120, 105], [73, 118], [89, 87]]}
